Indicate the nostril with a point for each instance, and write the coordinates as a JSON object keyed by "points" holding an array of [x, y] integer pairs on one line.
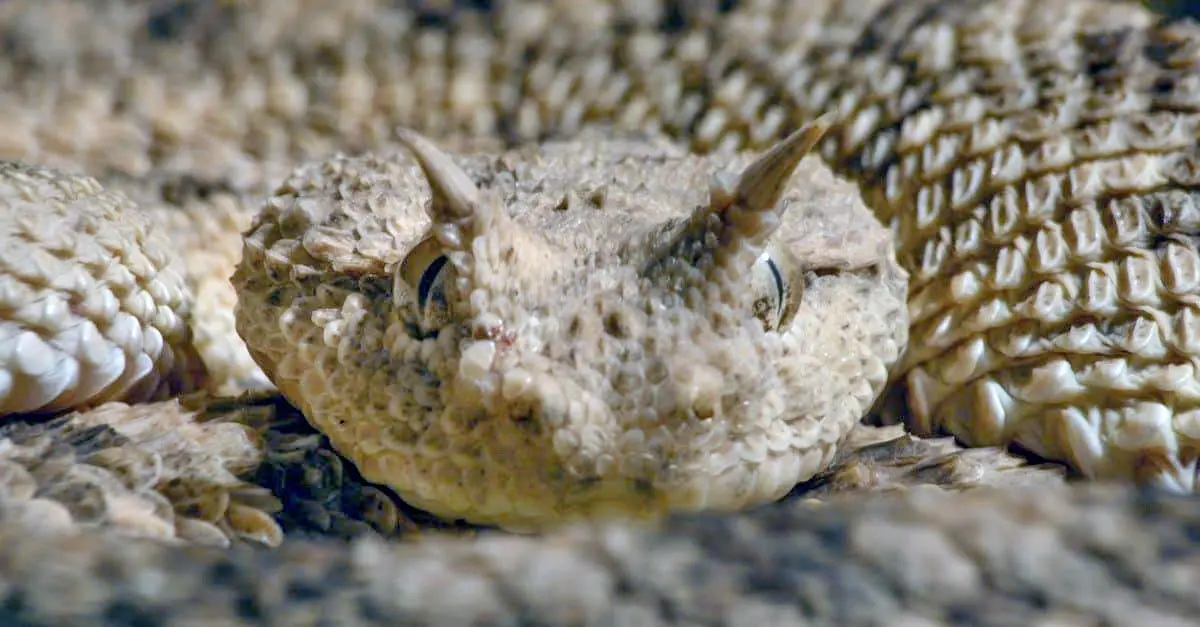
{"points": [[623, 325], [613, 326]]}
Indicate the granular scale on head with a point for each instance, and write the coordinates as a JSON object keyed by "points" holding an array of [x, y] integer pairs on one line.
{"points": [[585, 361]]}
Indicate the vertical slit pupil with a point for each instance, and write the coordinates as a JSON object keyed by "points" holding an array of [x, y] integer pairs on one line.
{"points": [[779, 287], [428, 279]]}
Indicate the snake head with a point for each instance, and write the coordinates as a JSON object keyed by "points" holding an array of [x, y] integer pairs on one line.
{"points": [[601, 325]]}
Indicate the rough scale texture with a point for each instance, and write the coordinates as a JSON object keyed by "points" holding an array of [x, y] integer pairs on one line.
{"points": [[575, 384], [204, 221], [1038, 173], [165, 470], [1032, 157], [93, 304], [1035, 161], [1090, 556]]}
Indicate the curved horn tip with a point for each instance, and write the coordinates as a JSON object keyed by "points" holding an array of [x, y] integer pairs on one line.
{"points": [[453, 190], [763, 181]]}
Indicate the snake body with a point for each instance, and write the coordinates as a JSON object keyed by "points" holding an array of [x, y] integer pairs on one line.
{"points": [[1035, 163]]}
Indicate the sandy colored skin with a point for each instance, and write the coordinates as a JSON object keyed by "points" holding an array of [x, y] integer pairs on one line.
{"points": [[1033, 160], [1035, 189], [202, 220], [1088, 555], [1048, 238], [567, 378], [96, 306], [1006, 347], [1006, 290]]}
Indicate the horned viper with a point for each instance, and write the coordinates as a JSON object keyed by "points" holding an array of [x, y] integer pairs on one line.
{"points": [[584, 328]]}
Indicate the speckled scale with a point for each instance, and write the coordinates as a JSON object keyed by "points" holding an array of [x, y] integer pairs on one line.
{"points": [[567, 378], [154, 470], [1051, 295], [204, 222], [995, 138], [1008, 143], [95, 306], [1061, 286]]}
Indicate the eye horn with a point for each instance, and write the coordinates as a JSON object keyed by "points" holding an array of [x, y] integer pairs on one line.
{"points": [[425, 272], [777, 288]]}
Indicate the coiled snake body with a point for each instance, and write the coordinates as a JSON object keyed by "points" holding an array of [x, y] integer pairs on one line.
{"points": [[659, 308]]}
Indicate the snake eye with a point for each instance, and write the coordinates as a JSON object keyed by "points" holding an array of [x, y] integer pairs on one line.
{"points": [[777, 291], [425, 272]]}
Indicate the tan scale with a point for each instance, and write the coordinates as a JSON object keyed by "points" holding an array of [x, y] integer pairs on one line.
{"points": [[1044, 247], [204, 223], [1034, 160], [94, 303], [558, 382], [170, 471]]}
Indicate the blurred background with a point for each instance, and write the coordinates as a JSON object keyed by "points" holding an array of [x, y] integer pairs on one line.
{"points": [[1176, 8]]}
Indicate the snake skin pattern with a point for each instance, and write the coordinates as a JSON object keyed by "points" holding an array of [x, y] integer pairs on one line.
{"points": [[1036, 163]]}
